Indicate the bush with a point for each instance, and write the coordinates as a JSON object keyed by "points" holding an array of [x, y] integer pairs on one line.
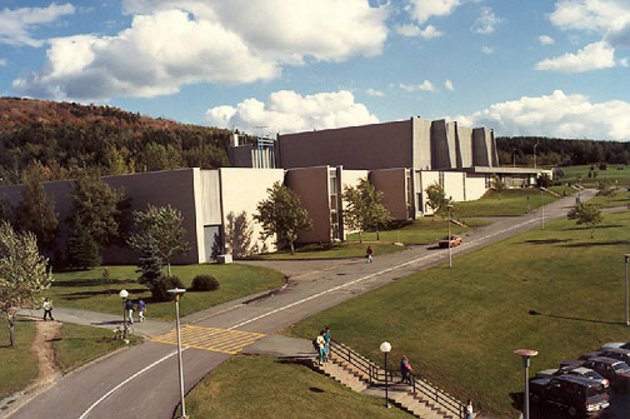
{"points": [[603, 166], [159, 291], [205, 283]]}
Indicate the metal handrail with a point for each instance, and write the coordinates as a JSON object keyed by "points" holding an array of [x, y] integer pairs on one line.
{"points": [[376, 374]]}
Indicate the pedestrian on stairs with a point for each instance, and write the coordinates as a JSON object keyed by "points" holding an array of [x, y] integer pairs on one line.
{"points": [[321, 346], [469, 410], [327, 338], [405, 370]]}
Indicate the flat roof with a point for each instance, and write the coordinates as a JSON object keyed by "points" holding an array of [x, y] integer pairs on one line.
{"points": [[503, 170]]}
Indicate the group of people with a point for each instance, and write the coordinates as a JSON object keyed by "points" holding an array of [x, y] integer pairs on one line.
{"points": [[322, 344], [142, 306]]}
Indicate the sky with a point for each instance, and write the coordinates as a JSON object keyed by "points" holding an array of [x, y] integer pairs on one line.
{"points": [[556, 68]]}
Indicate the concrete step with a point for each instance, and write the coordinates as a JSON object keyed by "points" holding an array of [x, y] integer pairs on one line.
{"points": [[341, 375], [418, 407]]}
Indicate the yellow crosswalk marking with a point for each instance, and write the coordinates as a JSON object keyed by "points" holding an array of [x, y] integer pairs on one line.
{"points": [[211, 339]]}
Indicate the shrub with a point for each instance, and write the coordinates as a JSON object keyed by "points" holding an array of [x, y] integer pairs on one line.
{"points": [[159, 291], [205, 283], [603, 166]]}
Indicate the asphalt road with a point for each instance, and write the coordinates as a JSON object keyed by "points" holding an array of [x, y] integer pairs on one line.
{"points": [[142, 381]]}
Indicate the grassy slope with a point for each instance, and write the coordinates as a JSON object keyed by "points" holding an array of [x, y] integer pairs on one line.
{"points": [[333, 251], [262, 387], [509, 202], [615, 172], [460, 326], [78, 345], [83, 289], [18, 365]]}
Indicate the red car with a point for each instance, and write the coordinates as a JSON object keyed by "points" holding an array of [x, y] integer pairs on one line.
{"points": [[452, 241]]}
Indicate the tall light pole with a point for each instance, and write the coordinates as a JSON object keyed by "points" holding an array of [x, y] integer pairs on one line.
{"points": [[542, 210], [626, 258], [535, 145], [124, 294], [178, 293], [386, 348], [450, 247], [526, 355]]}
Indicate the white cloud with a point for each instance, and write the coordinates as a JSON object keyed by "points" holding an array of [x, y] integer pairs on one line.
{"points": [[3, 62], [172, 43], [592, 57], [287, 111], [16, 23], [486, 22], [556, 115], [487, 50], [426, 86], [422, 10], [546, 40], [374, 92], [591, 15], [428, 32], [449, 85]]}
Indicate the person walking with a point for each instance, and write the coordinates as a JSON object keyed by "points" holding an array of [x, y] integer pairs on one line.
{"points": [[142, 306], [368, 254], [469, 410], [321, 346], [405, 370], [129, 308], [48, 308], [327, 338]]}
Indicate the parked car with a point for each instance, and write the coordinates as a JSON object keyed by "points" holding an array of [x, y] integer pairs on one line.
{"points": [[618, 372], [451, 241], [574, 369], [588, 355], [615, 345], [577, 396], [618, 353]]}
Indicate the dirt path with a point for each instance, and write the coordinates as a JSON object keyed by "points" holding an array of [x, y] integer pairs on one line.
{"points": [[46, 332]]}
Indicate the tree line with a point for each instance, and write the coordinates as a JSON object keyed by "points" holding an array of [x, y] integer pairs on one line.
{"points": [[560, 152]]}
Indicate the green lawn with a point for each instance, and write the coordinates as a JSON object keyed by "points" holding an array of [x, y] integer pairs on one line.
{"points": [[84, 290], [614, 172], [78, 345], [424, 230], [621, 198], [19, 364], [554, 290], [264, 387], [509, 202]]}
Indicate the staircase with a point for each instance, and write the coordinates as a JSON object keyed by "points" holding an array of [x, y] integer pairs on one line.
{"points": [[422, 399], [557, 195]]}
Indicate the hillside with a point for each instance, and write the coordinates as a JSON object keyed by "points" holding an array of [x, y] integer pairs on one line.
{"points": [[64, 138]]}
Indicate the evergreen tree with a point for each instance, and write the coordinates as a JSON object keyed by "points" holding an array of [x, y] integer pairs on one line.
{"points": [[83, 251], [150, 265]]}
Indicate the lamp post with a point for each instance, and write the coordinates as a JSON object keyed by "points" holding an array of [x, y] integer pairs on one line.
{"points": [[124, 294], [386, 348], [626, 258], [178, 293], [542, 211], [450, 247], [535, 145], [526, 355]]}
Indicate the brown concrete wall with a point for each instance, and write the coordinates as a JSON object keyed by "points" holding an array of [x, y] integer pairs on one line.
{"points": [[392, 183], [376, 146], [311, 185]]}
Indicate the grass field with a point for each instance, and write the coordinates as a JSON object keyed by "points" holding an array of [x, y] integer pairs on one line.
{"points": [[614, 172], [424, 230], [77, 345], [340, 250], [510, 202], [18, 364], [84, 290], [263, 387], [554, 290]]}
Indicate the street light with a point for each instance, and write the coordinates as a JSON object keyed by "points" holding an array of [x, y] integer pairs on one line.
{"points": [[626, 258], [525, 355], [385, 348], [535, 145], [450, 247], [542, 210], [178, 293], [124, 294]]}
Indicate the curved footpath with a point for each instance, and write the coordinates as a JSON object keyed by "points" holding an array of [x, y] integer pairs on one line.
{"points": [[142, 381]]}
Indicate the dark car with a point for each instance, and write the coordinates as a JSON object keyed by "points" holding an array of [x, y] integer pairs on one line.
{"points": [[574, 369], [618, 372], [577, 396], [619, 353], [616, 345]]}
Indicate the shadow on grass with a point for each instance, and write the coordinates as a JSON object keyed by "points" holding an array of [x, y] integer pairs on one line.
{"points": [[546, 241], [578, 228], [90, 282], [556, 316], [316, 390], [610, 243], [81, 295]]}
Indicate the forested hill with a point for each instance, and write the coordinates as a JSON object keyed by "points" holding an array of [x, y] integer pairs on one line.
{"points": [[556, 151], [65, 138]]}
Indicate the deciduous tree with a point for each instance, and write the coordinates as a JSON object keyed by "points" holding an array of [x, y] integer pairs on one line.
{"points": [[587, 214], [282, 215], [238, 235], [364, 208], [437, 200], [23, 274]]}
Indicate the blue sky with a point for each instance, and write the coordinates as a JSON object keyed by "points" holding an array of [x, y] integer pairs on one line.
{"points": [[543, 67]]}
